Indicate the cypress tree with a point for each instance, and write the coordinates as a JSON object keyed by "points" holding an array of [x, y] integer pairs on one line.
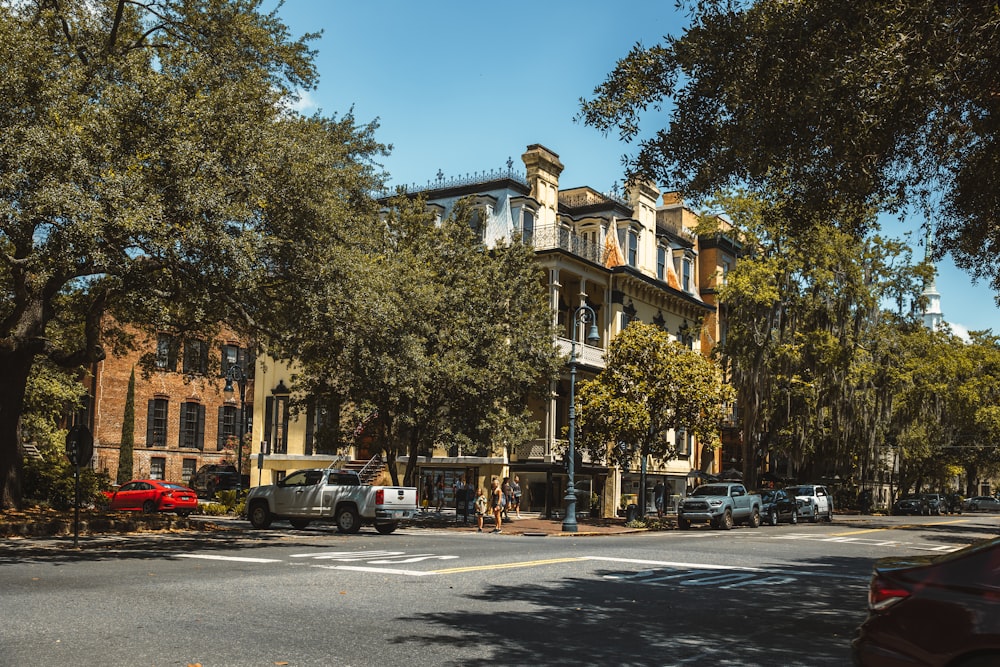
{"points": [[128, 434]]}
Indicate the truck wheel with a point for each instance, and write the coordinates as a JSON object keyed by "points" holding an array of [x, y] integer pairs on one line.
{"points": [[726, 520], [683, 523], [814, 517], [348, 520], [386, 528], [260, 516], [299, 524], [772, 517], [795, 517], [754, 520]]}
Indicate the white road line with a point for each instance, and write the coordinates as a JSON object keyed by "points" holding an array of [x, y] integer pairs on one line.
{"points": [[379, 570], [667, 563], [234, 559], [711, 566]]}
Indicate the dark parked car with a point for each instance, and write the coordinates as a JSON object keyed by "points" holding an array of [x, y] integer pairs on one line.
{"points": [[777, 505], [912, 504], [936, 504], [933, 610], [214, 477]]}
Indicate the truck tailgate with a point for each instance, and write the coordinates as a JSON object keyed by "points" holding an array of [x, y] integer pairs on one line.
{"points": [[398, 498]]}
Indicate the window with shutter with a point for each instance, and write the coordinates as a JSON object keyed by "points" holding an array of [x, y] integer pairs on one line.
{"points": [[156, 423], [192, 426]]}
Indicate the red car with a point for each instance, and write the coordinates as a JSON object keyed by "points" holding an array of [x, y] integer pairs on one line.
{"points": [[153, 495], [933, 611]]}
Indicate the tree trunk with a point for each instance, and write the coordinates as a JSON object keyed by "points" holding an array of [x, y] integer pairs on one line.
{"points": [[17, 366]]}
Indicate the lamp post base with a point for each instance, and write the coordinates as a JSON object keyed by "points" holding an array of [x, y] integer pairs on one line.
{"points": [[569, 522]]}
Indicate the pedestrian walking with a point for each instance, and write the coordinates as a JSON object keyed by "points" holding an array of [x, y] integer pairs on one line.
{"points": [[508, 497], [515, 488], [658, 497], [480, 508], [439, 493], [497, 501], [428, 499]]}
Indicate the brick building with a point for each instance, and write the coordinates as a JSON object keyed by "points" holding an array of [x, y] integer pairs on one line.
{"points": [[182, 417]]}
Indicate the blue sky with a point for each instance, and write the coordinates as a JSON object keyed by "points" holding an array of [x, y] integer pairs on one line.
{"points": [[461, 86]]}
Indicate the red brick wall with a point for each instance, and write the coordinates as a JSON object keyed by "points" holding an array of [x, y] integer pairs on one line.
{"points": [[109, 386]]}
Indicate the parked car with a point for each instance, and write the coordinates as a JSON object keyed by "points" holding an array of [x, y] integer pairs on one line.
{"points": [[153, 495], [982, 504], [913, 504], [817, 503], [936, 503], [933, 610], [778, 505], [721, 505], [213, 477]]}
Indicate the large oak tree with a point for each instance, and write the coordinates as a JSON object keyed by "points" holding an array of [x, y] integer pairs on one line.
{"points": [[152, 169], [449, 341]]}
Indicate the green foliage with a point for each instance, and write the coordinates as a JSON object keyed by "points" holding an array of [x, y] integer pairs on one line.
{"points": [[230, 499], [125, 450], [152, 168], [50, 393], [809, 348], [214, 509], [651, 386], [878, 107], [51, 482], [448, 340]]}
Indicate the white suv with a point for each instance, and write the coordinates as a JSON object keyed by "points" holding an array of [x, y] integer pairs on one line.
{"points": [[817, 503]]}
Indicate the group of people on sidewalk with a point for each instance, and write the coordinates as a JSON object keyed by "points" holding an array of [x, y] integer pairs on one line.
{"points": [[504, 496]]}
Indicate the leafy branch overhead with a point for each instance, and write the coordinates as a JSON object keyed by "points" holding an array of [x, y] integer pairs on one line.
{"points": [[838, 108]]}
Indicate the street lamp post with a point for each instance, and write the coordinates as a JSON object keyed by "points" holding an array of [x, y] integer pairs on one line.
{"points": [[235, 373], [582, 315]]}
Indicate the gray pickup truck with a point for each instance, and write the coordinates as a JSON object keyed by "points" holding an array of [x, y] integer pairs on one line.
{"points": [[333, 495], [720, 504]]}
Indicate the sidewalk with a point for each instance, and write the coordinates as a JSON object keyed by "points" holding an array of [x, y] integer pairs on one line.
{"points": [[530, 524]]}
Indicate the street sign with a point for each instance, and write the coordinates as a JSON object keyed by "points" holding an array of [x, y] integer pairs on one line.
{"points": [[79, 445]]}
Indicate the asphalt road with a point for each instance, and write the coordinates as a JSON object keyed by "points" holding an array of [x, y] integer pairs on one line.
{"points": [[788, 595]]}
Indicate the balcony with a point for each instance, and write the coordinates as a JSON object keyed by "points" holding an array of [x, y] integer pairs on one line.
{"points": [[550, 237], [586, 355]]}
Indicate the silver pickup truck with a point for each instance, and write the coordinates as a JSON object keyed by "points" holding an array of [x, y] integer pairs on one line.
{"points": [[327, 494], [720, 504]]}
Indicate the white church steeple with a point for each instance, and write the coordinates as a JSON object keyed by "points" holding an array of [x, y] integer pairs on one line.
{"points": [[933, 319]]}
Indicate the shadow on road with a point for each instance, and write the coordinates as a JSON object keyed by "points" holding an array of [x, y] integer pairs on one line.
{"points": [[666, 616]]}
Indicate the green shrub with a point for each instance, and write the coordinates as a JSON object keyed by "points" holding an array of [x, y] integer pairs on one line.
{"points": [[213, 509], [52, 483]]}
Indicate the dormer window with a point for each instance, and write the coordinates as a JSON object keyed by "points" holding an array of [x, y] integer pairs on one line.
{"points": [[628, 239], [477, 223], [527, 226], [684, 266]]}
